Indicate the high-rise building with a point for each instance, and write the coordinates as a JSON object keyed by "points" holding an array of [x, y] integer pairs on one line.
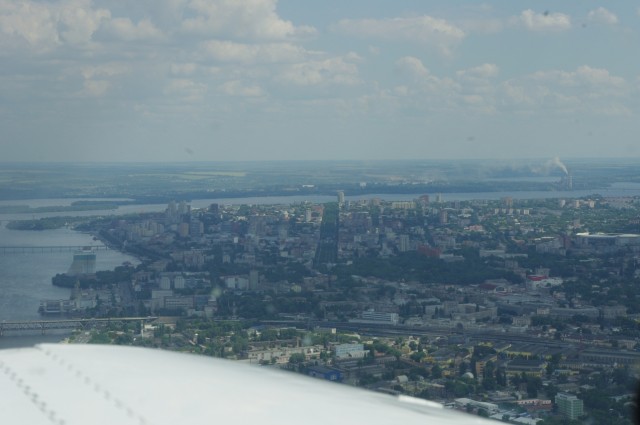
{"points": [[165, 282], [179, 282], [183, 230], [569, 405], [341, 197], [84, 262], [171, 214], [283, 231], [443, 217], [183, 208], [403, 243], [196, 228], [254, 280]]}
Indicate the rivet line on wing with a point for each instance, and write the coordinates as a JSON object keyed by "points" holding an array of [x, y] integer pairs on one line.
{"points": [[95, 386], [33, 396]]}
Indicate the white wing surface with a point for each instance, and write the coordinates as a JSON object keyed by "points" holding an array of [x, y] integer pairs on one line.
{"points": [[92, 384]]}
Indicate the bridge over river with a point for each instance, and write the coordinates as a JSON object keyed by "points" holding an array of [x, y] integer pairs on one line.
{"points": [[70, 324], [49, 249]]}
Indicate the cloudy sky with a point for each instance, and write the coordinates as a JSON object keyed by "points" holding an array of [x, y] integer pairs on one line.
{"points": [[161, 80]]}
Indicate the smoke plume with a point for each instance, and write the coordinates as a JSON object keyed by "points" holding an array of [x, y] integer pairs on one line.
{"points": [[555, 162], [550, 165]]}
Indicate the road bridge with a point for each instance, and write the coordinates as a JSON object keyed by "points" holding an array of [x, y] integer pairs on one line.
{"points": [[70, 324], [49, 249]]}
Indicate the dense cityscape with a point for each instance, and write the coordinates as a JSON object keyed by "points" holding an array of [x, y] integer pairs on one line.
{"points": [[521, 310]]}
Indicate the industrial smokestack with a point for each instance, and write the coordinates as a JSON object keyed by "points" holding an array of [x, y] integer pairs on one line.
{"points": [[566, 182]]}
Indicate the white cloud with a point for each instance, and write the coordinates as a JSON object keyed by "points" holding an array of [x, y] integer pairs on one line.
{"points": [[543, 21], [320, 72], [584, 90], [98, 79], [424, 29], [599, 77], [95, 87], [428, 90], [245, 19], [473, 99], [517, 93], [32, 23], [614, 109], [413, 66], [237, 88], [125, 29], [422, 79], [183, 68], [106, 70], [481, 25], [486, 70], [229, 51], [477, 87], [46, 25], [401, 90], [186, 90], [78, 21], [602, 16], [596, 78]]}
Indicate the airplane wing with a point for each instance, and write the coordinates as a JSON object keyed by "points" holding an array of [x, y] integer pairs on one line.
{"points": [[93, 384]]}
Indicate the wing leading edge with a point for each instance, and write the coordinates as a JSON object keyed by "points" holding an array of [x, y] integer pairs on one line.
{"points": [[80, 384]]}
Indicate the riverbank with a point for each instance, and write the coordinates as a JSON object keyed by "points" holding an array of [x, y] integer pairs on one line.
{"points": [[29, 340], [48, 223], [614, 191], [26, 277]]}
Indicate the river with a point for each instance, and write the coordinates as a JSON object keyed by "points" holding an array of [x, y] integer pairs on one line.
{"points": [[25, 278], [616, 190]]}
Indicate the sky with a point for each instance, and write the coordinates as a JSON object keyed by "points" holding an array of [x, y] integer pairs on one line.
{"points": [[218, 80]]}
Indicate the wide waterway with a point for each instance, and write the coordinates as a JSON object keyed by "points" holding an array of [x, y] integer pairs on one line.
{"points": [[616, 190], [25, 278]]}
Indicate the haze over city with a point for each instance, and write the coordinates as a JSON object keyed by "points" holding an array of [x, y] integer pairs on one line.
{"points": [[197, 80]]}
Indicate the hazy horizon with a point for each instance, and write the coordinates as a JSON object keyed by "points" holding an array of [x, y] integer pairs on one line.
{"points": [[515, 161]]}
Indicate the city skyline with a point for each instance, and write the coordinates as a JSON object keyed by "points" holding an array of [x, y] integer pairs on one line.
{"points": [[197, 80]]}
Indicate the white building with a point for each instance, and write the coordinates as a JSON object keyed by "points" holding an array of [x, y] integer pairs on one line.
{"points": [[378, 317], [462, 403], [403, 243], [569, 405], [165, 282], [240, 283], [345, 351], [172, 281], [178, 282]]}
